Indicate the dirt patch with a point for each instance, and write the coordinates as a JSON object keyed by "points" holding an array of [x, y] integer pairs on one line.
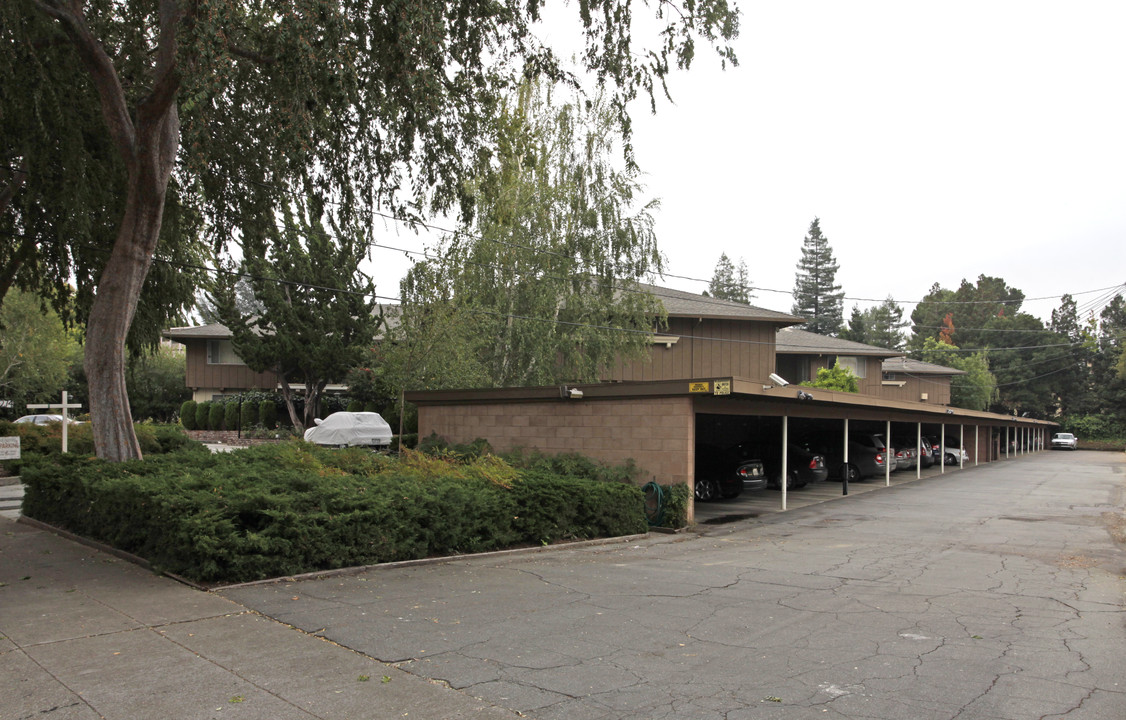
{"points": [[1115, 525], [1076, 561]]}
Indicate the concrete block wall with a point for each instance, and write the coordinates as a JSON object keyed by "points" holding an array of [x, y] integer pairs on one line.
{"points": [[657, 433]]}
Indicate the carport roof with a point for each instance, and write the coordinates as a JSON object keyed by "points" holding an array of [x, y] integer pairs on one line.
{"points": [[730, 394]]}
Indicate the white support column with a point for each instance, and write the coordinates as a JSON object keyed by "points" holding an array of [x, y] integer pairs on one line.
{"points": [[919, 451], [887, 451], [844, 470], [785, 466], [961, 446], [977, 443], [1007, 443], [942, 452]]}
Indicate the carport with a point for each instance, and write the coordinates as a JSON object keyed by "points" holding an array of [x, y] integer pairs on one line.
{"points": [[658, 424]]}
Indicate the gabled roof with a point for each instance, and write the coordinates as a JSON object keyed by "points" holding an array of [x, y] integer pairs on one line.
{"points": [[792, 341], [918, 367], [679, 303], [216, 331]]}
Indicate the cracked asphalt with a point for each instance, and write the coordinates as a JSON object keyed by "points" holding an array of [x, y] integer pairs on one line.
{"points": [[995, 592]]}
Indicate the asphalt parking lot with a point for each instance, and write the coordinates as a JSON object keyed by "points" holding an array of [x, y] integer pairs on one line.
{"points": [[994, 592]]}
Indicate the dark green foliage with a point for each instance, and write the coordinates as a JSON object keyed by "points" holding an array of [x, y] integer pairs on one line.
{"points": [[268, 414], [188, 414], [407, 440], [284, 509], [215, 416], [356, 406], [573, 465], [676, 505], [1093, 427], [434, 444], [371, 407], [835, 378], [249, 415], [817, 297], [38, 442], [202, 415], [231, 416]]}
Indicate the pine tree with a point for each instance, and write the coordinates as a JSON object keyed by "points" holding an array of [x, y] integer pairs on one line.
{"points": [[816, 296], [729, 282]]}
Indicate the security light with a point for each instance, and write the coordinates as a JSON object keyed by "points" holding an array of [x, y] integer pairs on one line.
{"points": [[778, 379]]}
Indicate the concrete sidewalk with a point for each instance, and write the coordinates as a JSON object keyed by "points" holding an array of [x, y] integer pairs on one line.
{"points": [[84, 635]]}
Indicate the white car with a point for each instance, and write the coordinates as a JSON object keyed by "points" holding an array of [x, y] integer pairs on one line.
{"points": [[1064, 441], [350, 429], [45, 419]]}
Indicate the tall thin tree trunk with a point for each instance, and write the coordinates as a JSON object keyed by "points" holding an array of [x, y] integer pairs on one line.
{"points": [[119, 288]]}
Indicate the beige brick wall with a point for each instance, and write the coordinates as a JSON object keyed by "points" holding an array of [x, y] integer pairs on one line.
{"points": [[657, 433]]}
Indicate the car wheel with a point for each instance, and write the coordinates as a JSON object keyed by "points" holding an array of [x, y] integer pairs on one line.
{"points": [[951, 460], [796, 483], [705, 490], [852, 473]]}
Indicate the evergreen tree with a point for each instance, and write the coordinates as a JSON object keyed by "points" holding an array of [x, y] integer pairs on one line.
{"points": [[977, 388], [879, 326], [729, 282], [817, 297]]}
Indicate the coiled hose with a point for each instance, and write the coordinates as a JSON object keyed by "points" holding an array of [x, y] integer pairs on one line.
{"points": [[654, 503]]}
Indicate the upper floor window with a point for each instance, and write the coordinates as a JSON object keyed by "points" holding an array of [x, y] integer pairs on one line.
{"points": [[222, 352], [858, 365]]}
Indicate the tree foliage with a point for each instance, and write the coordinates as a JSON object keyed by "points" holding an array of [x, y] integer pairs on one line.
{"points": [[317, 308], [837, 378], [152, 119], [879, 326], [543, 288], [817, 297], [730, 282], [975, 390], [35, 351]]}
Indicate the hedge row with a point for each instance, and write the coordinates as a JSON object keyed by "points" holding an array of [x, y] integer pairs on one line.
{"points": [[291, 508], [37, 441]]}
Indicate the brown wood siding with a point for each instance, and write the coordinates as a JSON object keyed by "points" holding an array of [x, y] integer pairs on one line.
{"points": [[199, 374], [937, 388], [705, 348]]}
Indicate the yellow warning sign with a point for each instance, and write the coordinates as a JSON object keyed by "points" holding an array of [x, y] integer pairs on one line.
{"points": [[699, 387], [722, 387]]}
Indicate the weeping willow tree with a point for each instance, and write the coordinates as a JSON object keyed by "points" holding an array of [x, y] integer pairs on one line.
{"points": [[547, 281]]}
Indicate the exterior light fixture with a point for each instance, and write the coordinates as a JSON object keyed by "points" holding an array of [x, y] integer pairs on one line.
{"points": [[575, 394]]}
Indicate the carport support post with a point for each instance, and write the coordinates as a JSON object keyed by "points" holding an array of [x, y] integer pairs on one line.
{"points": [[961, 446], [1006, 442], [785, 468], [919, 452], [844, 470], [942, 453], [887, 451]]}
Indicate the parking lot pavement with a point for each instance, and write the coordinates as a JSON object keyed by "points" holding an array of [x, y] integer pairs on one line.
{"points": [[995, 592]]}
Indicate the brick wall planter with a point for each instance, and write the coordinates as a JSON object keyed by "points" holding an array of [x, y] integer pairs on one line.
{"points": [[231, 437]]}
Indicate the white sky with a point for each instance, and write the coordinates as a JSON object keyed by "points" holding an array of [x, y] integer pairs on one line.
{"points": [[936, 141]]}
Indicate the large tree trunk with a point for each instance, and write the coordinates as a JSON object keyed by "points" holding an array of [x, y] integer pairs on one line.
{"points": [[119, 287]]}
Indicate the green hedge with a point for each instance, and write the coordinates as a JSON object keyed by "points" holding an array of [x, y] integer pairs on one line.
{"points": [[283, 509], [45, 441]]}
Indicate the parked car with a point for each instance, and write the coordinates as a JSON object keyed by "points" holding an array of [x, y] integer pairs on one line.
{"points": [[45, 419], [350, 429], [1064, 441], [954, 454], [867, 455], [722, 474], [914, 452], [803, 465], [930, 454]]}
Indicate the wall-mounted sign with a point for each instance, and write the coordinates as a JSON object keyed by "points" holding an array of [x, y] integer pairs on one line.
{"points": [[722, 387], [10, 448], [701, 387]]}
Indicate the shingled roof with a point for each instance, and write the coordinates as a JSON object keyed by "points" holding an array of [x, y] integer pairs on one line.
{"points": [[917, 367], [679, 303], [793, 341]]}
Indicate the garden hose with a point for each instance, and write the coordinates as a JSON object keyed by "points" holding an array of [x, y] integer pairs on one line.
{"points": [[654, 503]]}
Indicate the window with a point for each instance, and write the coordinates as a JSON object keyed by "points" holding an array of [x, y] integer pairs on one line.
{"points": [[858, 365], [222, 352]]}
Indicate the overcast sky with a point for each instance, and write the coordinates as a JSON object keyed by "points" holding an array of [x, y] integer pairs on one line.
{"points": [[936, 141]]}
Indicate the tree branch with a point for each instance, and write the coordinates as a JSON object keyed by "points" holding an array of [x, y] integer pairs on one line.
{"points": [[115, 109]]}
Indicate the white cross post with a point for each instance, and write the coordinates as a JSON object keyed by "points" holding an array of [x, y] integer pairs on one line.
{"points": [[64, 406]]}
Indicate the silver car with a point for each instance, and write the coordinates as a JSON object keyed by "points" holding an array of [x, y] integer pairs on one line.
{"points": [[1064, 441]]}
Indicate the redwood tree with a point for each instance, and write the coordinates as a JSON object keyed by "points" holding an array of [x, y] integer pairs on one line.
{"points": [[242, 105]]}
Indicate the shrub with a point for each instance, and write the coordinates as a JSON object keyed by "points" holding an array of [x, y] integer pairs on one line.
{"points": [[268, 414], [371, 407], [249, 415], [355, 406], [202, 413], [231, 416], [38, 442], [187, 415], [282, 509], [215, 416]]}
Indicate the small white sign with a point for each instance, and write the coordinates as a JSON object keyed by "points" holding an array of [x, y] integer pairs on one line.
{"points": [[10, 448]]}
